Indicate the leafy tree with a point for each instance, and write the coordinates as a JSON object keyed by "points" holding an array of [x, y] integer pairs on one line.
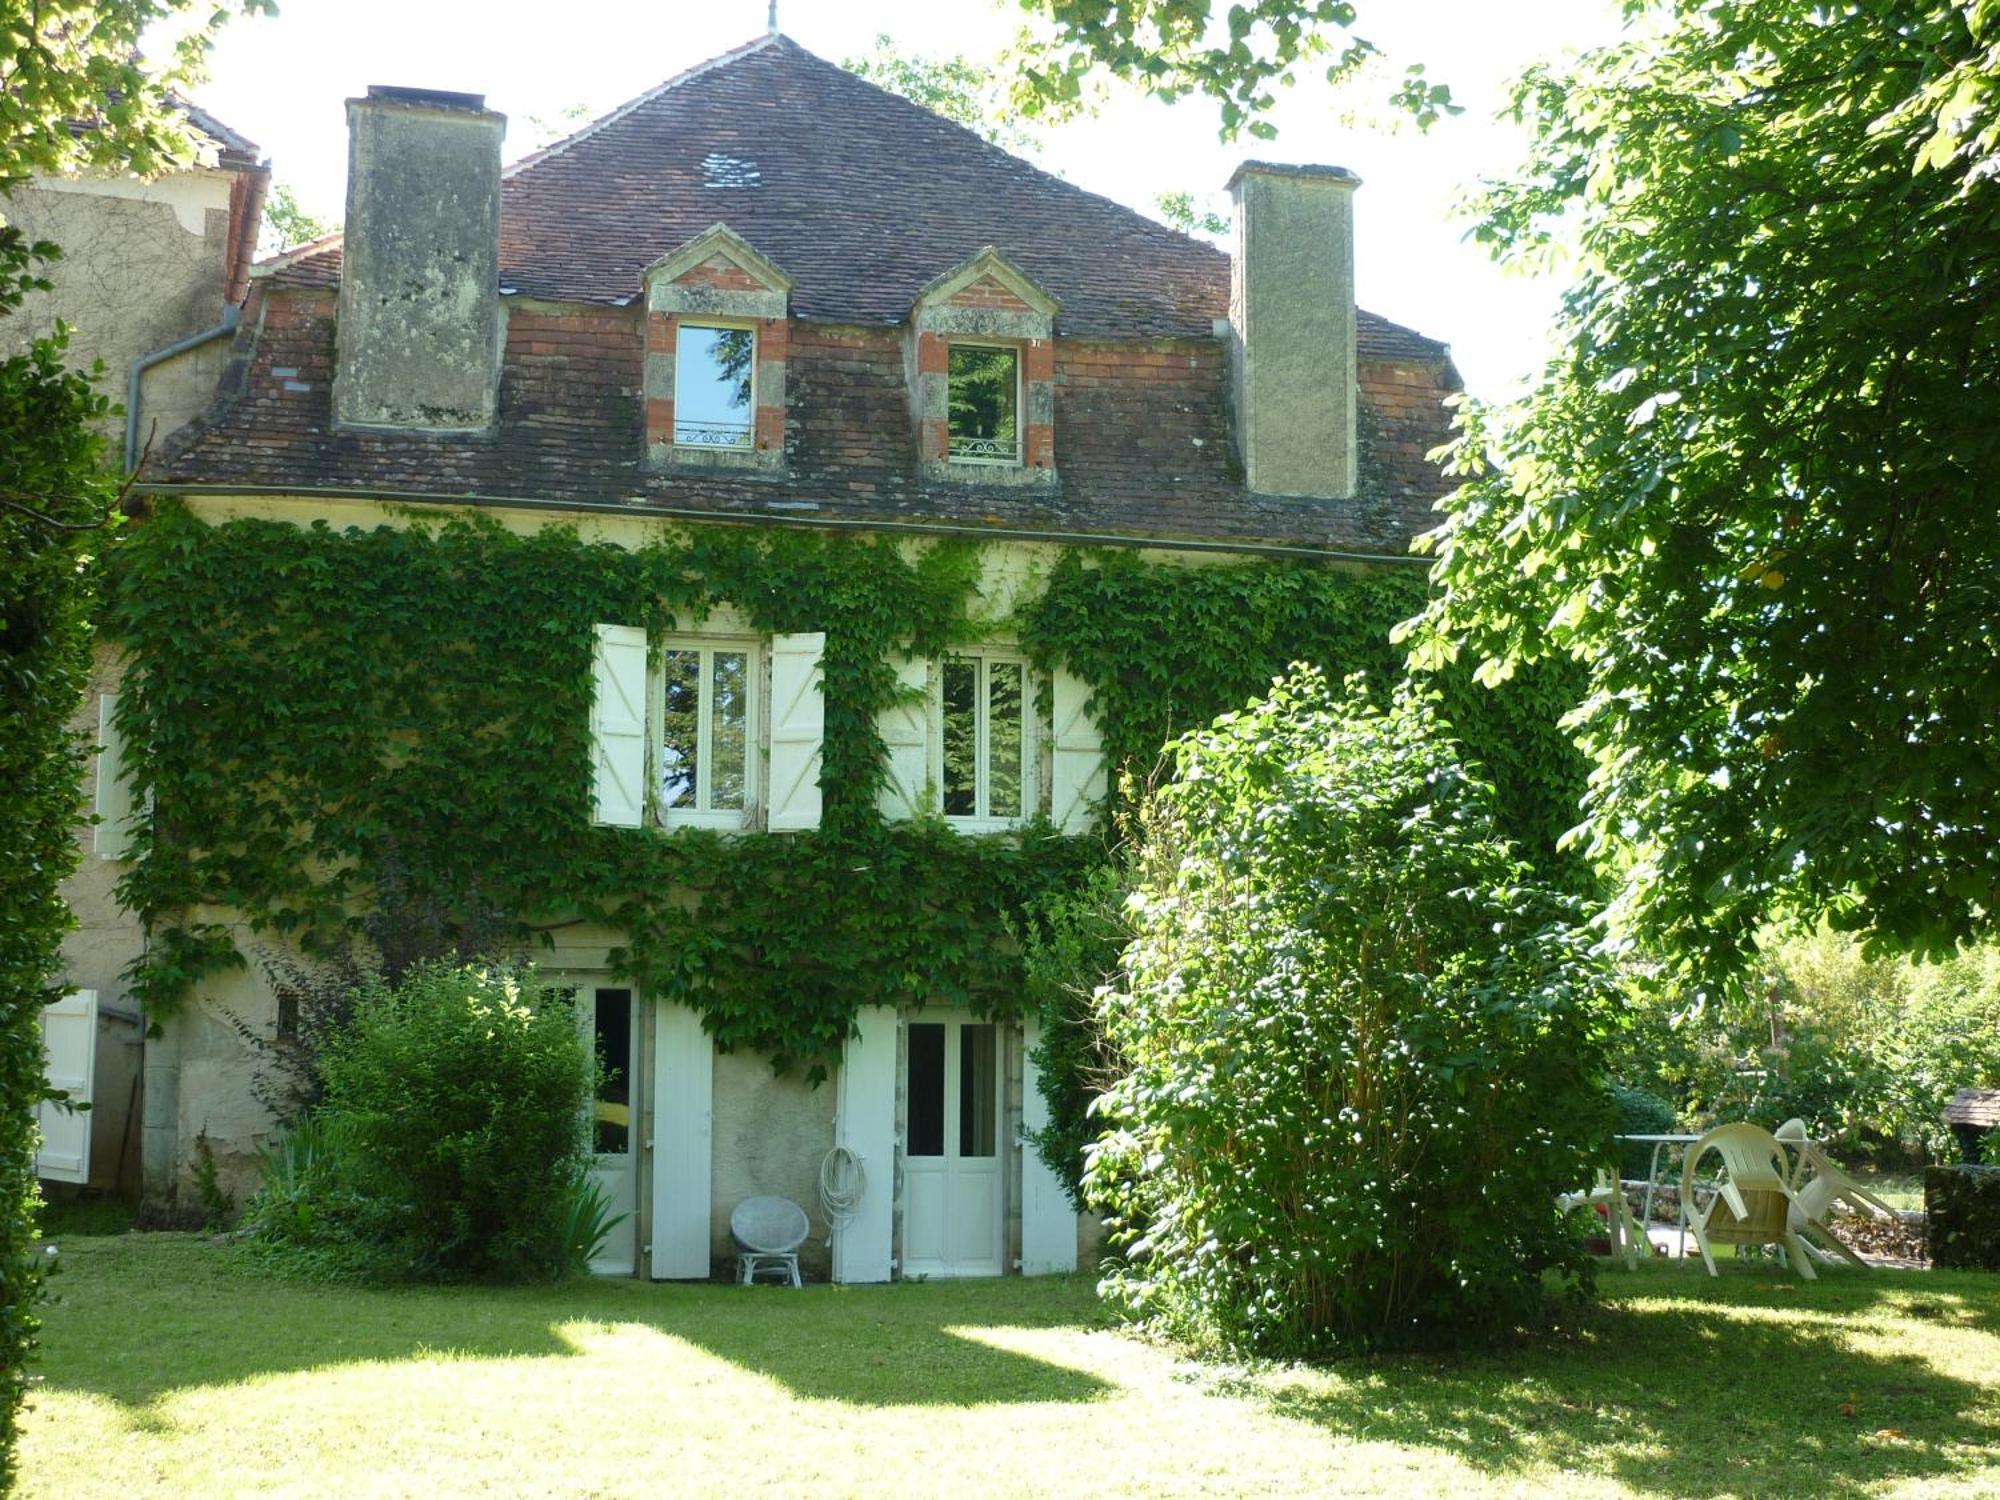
{"points": [[289, 223], [963, 91], [74, 92], [1171, 49], [1179, 210], [1358, 1045], [1753, 495]]}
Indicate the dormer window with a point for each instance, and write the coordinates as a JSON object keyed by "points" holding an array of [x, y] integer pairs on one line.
{"points": [[715, 380], [983, 403]]}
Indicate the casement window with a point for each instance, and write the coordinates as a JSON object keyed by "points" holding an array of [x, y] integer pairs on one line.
{"points": [[705, 731], [715, 386], [684, 740], [983, 403], [985, 740]]}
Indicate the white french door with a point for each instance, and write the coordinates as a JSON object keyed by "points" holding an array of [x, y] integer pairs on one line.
{"points": [[952, 1223], [609, 1016]]}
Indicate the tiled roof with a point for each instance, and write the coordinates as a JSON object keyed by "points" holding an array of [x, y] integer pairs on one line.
{"points": [[859, 195], [235, 147]]}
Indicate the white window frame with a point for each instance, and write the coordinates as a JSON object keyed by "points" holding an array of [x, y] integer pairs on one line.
{"points": [[744, 325], [1031, 749], [1020, 403], [701, 815]]}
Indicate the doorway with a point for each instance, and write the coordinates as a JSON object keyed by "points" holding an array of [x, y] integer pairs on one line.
{"points": [[611, 1021], [952, 1184]]}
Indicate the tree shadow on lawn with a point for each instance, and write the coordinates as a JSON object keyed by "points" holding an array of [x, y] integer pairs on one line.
{"points": [[139, 1322], [1734, 1391]]}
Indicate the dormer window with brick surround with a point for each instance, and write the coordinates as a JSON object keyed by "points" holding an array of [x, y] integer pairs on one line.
{"points": [[983, 376], [717, 333]]}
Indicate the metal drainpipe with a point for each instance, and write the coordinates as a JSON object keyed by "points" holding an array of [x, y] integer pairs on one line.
{"points": [[231, 316]]}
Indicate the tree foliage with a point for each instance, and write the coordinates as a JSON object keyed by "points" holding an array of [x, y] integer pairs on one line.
{"points": [[961, 90], [1237, 56], [1358, 1045], [287, 222], [1754, 494]]}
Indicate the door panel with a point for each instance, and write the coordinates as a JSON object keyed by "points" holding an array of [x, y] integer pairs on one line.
{"points": [[951, 1158], [613, 1020]]}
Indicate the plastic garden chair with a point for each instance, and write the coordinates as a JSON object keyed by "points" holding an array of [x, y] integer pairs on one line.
{"points": [[1753, 1202], [1625, 1236], [1818, 1182], [768, 1232]]}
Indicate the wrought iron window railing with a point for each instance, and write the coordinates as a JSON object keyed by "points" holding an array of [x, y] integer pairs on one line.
{"points": [[712, 434], [983, 450]]}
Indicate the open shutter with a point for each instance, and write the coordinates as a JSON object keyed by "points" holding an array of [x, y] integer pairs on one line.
{"points": [[618, 726], [683, 1124], [865, 1125], [1077, 758], [1048, 1220], [69, 1037], [798, 731], [112, 837], [905, 731]]}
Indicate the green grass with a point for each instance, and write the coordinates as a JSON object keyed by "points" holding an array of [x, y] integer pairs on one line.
{"points": [[170, 1370], [1903, 1190]]}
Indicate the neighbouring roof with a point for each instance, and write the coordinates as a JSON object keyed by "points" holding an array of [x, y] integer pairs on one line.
{"points": [[581, 219], [1976, 1107], [233, 147]]}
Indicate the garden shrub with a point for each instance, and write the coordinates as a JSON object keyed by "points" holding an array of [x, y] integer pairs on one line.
{"points": [[1360, 1048], [1639, 1113], [450, 1140], [1962, 1217]]}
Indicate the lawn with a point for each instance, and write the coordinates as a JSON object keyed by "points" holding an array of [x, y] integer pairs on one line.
{"points": [[169, 1371]]}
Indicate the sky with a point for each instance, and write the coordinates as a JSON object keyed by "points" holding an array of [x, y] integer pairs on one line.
{"points": [[282, 81]]}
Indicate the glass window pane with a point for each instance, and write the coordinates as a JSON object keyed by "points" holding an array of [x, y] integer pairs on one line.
{"points": [[961, 737], [977, 1073], [729, 729], [926, 1100], [680, 736], [612, 1030], [712, 384], [1003, 739], [983, 392]]}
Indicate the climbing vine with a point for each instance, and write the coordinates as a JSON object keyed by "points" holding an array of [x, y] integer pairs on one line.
{"points": [[318, 708]]}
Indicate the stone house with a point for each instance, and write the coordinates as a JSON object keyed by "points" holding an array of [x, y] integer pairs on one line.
{"points": [[769, 298], [153, 274]]}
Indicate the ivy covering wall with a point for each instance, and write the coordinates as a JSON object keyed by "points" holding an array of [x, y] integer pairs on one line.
{"points": [[315, 708]]}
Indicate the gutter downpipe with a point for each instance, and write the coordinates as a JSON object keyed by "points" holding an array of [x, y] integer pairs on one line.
{"points": [[231, 316]]}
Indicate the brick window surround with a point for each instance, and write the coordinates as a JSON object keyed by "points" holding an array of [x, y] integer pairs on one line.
{"points": [[985, 300], [717, 278]]}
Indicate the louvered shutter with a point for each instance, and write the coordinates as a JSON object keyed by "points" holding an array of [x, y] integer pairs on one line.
{"points": [[1077, 757], [798, 731], [69, 1038], [905, 731], [618, 726], [112, 837], [1048, 1219]]}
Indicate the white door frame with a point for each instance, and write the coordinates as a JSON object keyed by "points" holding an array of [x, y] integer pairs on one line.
{"points": [[616, 1173], [947, 1195]]}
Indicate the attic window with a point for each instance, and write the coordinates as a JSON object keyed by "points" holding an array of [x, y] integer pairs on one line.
{"points": [[984, 395], [715, 371], [719, 171]]}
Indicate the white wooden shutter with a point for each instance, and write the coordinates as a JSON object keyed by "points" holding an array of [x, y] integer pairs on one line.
{"points": [[683, 1124], [798, 731], [1076, 761], [116, 817], [865, 1124], [905, 731], [69, 1039], [1048, 1221], [618, 726]]}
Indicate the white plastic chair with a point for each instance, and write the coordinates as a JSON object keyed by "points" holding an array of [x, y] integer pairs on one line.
{"points": [[1752, 1204], [768, 1232], [1627, 1239], [1818, 1182]]}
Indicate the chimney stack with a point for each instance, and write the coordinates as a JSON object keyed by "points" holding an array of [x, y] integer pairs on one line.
{"points": [[1291, 319], [420, 328]]}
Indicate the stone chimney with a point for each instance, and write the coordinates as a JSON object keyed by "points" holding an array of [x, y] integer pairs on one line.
{"points": [[420, 325], [1291, 322]]}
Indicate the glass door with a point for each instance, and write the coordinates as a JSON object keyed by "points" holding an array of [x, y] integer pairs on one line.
{"points": [[952, 1222]]}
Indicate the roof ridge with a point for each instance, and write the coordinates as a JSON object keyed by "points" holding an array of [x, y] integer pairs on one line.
{"points": [[613, 116]]}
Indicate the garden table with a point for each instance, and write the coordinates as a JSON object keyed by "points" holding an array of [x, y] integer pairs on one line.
{"points": [[1662, 1146]]}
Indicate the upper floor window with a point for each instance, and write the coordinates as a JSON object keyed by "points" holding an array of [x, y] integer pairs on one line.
{"points": [[708, 729], [985, 739], [983, 394], [715, 378]]}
